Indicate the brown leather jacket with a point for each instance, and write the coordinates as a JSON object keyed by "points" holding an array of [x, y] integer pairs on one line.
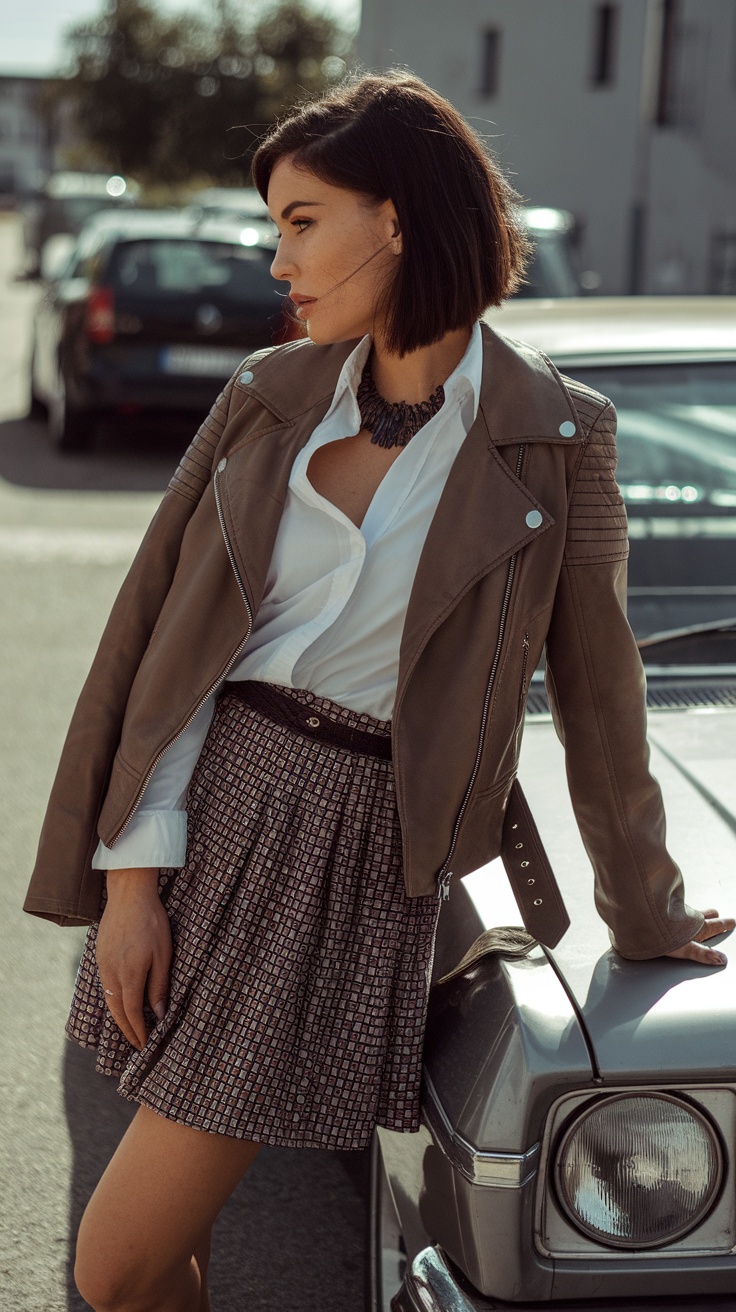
{"points": [[527, 547]]}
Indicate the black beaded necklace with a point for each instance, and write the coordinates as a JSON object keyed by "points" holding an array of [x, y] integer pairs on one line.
{"points": [[392, 423]]}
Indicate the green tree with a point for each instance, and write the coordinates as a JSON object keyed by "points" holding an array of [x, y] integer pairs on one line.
{"points": [[165, 97]]}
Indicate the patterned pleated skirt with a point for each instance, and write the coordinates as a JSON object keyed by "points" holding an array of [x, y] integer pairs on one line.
{"points": [[300, 972]]}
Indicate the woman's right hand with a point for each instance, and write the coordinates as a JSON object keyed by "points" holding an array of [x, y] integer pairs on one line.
{"points": [[134, 950]]}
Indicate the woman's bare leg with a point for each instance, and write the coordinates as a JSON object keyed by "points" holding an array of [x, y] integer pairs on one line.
{"points": [[147, 1225]]}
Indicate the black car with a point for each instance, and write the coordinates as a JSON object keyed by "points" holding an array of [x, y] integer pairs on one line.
{"points": [[152, 311]]}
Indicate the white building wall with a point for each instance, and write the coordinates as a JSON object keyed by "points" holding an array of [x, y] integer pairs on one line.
{"points": [[593, 150]]}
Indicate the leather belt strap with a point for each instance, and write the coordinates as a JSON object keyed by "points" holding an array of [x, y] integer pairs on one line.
{"points": [[283, 709], [530, 873]]}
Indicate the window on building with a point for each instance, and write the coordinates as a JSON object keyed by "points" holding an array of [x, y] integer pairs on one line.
{"points": [[605, 38], [668, 64], [491, 62], [683, 69], [722, 280]]}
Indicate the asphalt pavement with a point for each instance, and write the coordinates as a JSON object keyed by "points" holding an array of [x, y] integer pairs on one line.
{"points": [[293, 1234]]}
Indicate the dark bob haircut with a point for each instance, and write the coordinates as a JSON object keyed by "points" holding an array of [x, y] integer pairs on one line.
{"points": [[390, 136]]}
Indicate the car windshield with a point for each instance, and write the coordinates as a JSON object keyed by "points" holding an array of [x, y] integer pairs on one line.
{"points": [[676, 442], [677, 474], [160, 267]]}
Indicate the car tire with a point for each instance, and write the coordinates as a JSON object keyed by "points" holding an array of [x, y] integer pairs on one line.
{"points": [[70, 429], [386, 1250]]}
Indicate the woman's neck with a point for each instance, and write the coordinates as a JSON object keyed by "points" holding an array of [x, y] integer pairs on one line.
{"points": [[415, 376]]}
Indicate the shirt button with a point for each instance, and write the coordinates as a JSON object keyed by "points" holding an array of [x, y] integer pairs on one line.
{"points": [[567, 429], [222, 464], [247, 377], [533, 519]]}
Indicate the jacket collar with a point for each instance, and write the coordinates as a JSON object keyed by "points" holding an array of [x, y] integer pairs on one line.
{"points": [[522, 397]]}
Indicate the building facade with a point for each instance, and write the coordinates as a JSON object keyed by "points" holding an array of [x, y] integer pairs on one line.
{"points": [[27, 138], [623, 113]]}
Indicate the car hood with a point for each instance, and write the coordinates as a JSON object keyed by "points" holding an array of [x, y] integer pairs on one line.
{"points": [[661, 1018]]}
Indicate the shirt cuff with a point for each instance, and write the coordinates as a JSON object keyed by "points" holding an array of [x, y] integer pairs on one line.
{"points": [[153, 838]]}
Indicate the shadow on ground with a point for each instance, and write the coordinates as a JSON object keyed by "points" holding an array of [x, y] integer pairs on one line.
{"points": [[128, 455], [292, 1235]]}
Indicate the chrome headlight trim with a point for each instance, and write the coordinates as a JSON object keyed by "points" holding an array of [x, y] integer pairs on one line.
{"points": [[495, 1170], [628, 1244]]}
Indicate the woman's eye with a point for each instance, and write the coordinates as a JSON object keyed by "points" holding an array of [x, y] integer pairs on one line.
{"points": [[297, 222]]}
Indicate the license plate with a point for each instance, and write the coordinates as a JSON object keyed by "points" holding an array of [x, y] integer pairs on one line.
{"points": [[201, 361]]}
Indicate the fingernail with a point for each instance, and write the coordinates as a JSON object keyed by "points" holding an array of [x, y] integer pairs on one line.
{"points": [[160, 1010], [720, 958]]}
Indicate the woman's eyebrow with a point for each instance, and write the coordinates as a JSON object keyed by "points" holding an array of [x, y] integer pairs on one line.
{"points": [[295, 204]]}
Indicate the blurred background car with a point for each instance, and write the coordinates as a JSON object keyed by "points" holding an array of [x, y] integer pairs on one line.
{"points": [[150, 310], [65, 203], [553, 269]]}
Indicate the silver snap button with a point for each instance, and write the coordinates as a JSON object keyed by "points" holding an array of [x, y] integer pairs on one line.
{"points": [[246, 377], [537, 901], [313, 721], [222, 464], [533, 519], [567, 429]]}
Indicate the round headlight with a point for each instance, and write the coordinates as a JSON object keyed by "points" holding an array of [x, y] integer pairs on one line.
{"points": [[638, 1170]]}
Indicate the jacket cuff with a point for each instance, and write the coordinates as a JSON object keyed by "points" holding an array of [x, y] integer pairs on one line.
{"points": [[153, 838]]}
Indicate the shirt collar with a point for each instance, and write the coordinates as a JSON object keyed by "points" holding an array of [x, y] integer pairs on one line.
{"points": [[465, 377]]}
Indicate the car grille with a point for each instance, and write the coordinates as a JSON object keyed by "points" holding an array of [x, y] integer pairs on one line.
{"points": [[661, 696]]}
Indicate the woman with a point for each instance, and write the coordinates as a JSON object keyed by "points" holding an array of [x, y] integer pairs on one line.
{"points": [[304, 716]]}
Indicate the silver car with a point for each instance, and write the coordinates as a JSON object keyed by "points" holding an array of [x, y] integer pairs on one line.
{"points": [[578, 1144]]}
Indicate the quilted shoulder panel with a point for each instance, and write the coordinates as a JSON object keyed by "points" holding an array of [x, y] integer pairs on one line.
{"points": [[597, 527]]}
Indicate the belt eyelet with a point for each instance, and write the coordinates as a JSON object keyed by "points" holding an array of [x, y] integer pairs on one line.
{"points": [[313, 721]]}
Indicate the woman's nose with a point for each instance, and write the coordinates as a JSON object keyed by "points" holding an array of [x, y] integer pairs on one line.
{"points": [[281, 267]]}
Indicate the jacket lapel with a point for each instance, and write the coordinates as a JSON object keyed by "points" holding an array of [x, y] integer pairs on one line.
{"points": [[481, 518]]}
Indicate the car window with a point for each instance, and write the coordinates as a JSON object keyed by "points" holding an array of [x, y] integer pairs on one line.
{"points": [[164, 267], [551, 271], [75, 210], [676, 438]]}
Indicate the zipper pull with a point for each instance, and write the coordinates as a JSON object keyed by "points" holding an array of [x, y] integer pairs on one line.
{"points": [[445, 885]]}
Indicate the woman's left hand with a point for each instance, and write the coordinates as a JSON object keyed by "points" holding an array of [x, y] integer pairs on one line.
{"points": [[694, 951]]}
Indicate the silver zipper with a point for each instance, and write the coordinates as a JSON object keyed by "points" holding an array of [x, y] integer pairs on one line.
{"points": [[445, 875], [522, 694], [210, 690]]}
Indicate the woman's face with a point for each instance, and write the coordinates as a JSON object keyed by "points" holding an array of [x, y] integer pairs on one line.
{"points": [[336, 247]]}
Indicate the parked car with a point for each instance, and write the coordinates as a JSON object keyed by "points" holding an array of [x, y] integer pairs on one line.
{"points": [[65, 203], [151, 311], [552, 271], [578, 1144]]}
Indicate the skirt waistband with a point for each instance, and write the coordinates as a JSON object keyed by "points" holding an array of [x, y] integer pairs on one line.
{"points": [[283, 709]]}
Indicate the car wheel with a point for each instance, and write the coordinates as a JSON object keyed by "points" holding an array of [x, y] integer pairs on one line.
{"points": [[70, 429], [386, 1250]]}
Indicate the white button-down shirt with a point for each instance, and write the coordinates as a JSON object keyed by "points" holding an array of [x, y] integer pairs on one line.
{"points": [[336, 595]]}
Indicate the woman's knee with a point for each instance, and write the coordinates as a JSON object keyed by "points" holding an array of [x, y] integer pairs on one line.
{"points": [[110, 1271]]}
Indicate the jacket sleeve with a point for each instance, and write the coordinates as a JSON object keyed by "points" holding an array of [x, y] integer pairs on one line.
{"points": [[597, 693], [92, 739]]}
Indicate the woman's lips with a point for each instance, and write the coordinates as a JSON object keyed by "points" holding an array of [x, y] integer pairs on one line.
{"points": [[304, 303]]}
